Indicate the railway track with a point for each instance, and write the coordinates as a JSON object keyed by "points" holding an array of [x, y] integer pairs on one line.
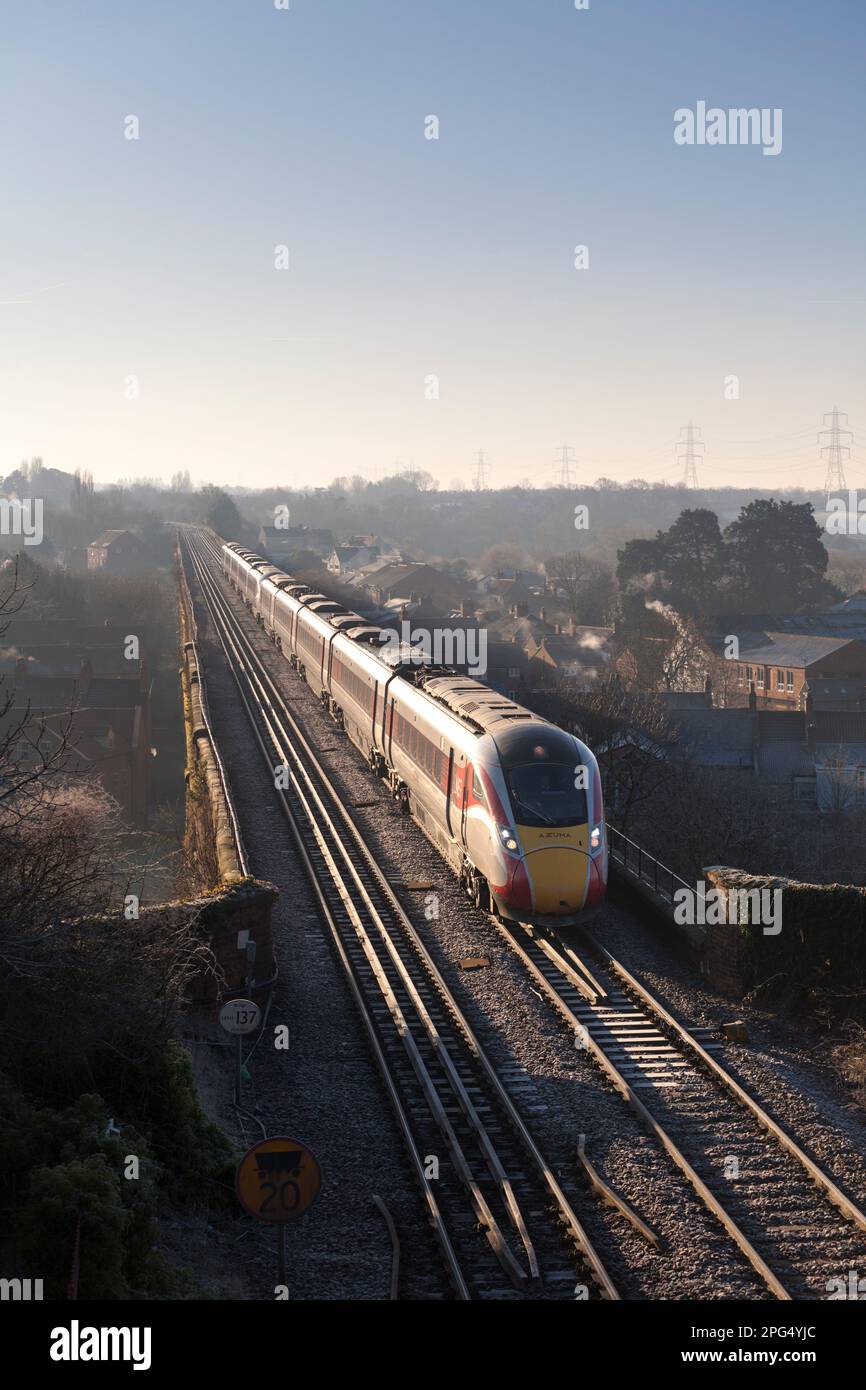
{"points": [[788, 1217], [505, 1226]]}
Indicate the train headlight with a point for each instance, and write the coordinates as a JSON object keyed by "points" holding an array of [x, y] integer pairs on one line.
{"points": [[506, 835], [595, 837]]}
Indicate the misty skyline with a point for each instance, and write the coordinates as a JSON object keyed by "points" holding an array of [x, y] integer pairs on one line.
{"points": [[153, 259]]}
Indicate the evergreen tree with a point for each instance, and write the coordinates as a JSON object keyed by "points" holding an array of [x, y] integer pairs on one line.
{"points": [[220, 513], [776, 560]]}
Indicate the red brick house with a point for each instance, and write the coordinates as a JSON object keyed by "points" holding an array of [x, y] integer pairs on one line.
{"points": [[117, 552], [85, 690], [783, 667]]}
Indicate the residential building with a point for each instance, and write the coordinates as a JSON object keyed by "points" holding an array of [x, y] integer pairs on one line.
{"points": [[580, 654], [282, 545], [783, 667], [414, 581], [118, 552], [75, 683]]}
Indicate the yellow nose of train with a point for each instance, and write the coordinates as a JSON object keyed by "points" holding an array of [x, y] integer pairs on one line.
{"points": [[558, 866]]}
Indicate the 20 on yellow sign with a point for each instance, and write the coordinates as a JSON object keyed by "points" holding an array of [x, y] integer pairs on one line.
{"points": [[278, 1179]]}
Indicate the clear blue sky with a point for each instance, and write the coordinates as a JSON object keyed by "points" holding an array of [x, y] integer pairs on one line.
{"points": [[411, 257]]}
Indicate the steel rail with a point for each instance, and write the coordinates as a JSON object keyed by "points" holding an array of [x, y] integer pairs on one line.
{"points": [[628, 1093], [437, 1220], [579, 976], [316, 816], [574, 1226], [832, 1192]]}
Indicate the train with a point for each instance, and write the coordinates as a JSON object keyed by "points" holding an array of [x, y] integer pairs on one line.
{"points": [[512, 802]]}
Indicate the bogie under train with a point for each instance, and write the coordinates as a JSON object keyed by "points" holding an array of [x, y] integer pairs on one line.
{"points": [[512, 802]]}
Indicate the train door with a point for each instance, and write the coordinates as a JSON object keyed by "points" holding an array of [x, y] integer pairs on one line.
{"points": [[329, 663], [457, 802]]}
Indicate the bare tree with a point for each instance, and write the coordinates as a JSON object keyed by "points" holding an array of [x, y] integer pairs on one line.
{"points": [[631, 735], [586, 585]]}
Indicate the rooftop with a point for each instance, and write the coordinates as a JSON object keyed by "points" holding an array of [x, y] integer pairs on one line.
{"points": [[109, 537], [790, 648]]}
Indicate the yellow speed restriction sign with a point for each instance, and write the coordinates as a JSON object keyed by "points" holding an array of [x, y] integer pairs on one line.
{"points": [[278, 1179]]}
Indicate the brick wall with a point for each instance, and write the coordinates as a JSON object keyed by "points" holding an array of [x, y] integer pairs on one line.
{"points": [[228, 919]]}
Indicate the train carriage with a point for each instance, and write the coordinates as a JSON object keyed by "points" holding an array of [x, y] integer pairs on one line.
{"points": [[512, 802]]}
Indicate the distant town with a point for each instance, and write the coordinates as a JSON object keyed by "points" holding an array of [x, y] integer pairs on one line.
{"points": [[735, 627]]}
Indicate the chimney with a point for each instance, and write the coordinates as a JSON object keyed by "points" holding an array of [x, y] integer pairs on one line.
{"points": [[810, 722]]}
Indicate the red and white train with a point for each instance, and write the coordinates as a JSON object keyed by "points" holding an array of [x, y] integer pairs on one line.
{"points": [[512, 802]]}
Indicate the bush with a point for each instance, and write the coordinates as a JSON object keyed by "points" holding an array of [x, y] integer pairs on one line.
{"points": [[196, 1159], [57, 1199], [59, 1166]]}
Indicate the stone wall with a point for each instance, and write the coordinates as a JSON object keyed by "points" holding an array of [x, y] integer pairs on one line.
{"points": [[234, 910], [818, 951]]}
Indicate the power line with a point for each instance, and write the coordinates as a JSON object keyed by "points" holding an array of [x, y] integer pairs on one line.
{"points": [[835, 452], [688, 452], [767, 438]]}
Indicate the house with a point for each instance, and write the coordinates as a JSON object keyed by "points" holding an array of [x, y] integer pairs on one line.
{"points": [[508, 594], [580, 654], [75, 682], [810, 757], [507, 669], [282, 545], [346, 559], [118, 552], [784, 667], [415, 581], [489, 583], [717, 738]]}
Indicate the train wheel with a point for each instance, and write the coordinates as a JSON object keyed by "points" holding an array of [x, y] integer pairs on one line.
{"points": [[475, 887], [480, 893]]}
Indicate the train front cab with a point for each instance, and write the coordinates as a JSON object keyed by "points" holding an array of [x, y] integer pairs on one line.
{"points": [[557, 857]]}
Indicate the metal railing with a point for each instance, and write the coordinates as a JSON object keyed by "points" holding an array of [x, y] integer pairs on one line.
{"points": [[643, 867]]}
